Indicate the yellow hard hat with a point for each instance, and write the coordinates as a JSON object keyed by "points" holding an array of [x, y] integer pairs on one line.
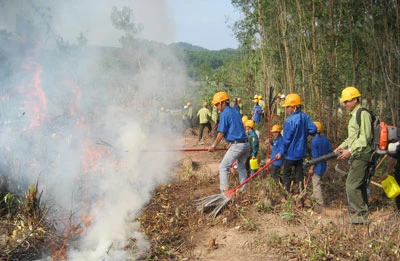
{"points": [[260, 97], [256, 96], [276, 128], [220, 97], [319, 125], [188, 104], [292, 99], [279, 95], [349, 93], [249, 123], [244, 119]]}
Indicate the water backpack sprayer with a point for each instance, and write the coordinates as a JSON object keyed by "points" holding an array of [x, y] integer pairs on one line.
{"points": [[385, 137]]}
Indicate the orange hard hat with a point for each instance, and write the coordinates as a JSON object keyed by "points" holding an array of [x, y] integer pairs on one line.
{"points": [[319, 125], [244, 119], [276, 128], [220, 97], [249, 123], [292, 99], [349, 93]]}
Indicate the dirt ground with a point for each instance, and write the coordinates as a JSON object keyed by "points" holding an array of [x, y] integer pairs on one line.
{"points": [[256, 224]]}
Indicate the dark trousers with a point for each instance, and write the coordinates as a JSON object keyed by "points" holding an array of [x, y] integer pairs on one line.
{"points": [[275, 172], [202, 126], [287, 172]]}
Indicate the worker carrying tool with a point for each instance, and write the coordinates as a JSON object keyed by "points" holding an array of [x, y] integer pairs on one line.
{"points": [[230, 128]]}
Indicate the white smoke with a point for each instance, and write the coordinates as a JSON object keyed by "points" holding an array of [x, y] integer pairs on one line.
{"points": [[82, 126]]}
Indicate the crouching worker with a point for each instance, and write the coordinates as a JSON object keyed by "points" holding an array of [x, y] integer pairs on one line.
{"points": [[276, 144], [320, 145], [253, 140], [231, 128]]}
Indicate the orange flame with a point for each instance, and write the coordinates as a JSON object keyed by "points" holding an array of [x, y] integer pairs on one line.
{"points": [[36, 103]]}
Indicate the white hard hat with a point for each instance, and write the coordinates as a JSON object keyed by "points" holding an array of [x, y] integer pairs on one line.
{"points": [[185, 107], [283, 96]]}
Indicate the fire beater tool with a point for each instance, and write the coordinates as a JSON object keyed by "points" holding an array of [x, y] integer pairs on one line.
{"points": [[220, 200]]}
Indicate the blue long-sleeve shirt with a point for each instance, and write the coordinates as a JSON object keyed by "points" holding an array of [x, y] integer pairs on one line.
{"points": [[277, 146], [320, 146], [257, 111], [296, 129]]}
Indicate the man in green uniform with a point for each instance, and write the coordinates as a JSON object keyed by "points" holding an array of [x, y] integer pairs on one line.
{"points": [[204, 115], [358, 148], [240, 105]]}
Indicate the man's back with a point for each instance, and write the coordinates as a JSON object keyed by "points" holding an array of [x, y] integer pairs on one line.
{"points": [[204, 115], [295, 132]]}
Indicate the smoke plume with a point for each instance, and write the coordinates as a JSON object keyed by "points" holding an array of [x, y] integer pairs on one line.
{"points": [[82, 119]]}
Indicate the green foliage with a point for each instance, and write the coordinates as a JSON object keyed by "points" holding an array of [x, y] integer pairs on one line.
{"points": [[202, 63], [288, 210], [316, 48], [11, 200]]}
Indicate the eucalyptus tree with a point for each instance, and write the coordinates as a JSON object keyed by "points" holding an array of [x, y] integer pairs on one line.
{"points": [[317, 48]]}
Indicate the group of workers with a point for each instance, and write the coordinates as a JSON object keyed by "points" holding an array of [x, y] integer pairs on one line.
{"points": [[289, 147]]}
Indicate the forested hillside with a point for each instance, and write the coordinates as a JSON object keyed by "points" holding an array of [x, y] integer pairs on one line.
{"points": [[200, 62]]}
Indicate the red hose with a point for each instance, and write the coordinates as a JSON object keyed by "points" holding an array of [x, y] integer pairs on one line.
{"points": [[184, 149], [231, 192]]}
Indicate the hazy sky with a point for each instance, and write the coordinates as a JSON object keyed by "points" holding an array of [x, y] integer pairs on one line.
{"points": [[199, 22], [204, 22]]}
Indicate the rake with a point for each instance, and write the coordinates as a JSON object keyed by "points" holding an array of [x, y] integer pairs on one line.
{"points": [[220, 200]]}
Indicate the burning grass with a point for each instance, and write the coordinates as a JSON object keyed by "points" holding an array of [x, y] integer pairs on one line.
{"points": [[24, 228]]}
